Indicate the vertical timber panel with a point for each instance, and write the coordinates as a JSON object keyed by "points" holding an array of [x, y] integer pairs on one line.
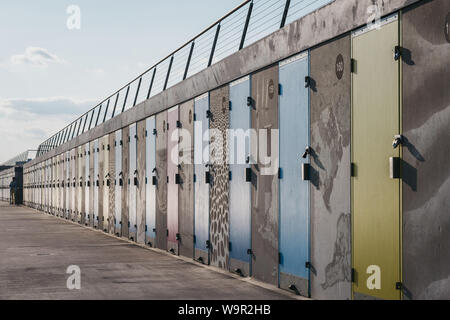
{"points": [[240, 188], [201, 187], [91, 183], [87, 183], [265, 185], [96, 183], [186, 188], [219, 228], [141, 185], [76, 190], [161, 173], [67, 185], [106, 182], [112, 187], [101, 182], [330, 163], [82, 183], [151, 176], [375, 196], [118, 184], [172, 186], [426, 169], [132, 183], [125, 177]]}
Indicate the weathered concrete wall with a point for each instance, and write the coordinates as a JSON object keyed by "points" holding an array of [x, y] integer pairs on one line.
{"points": [[324, 24], [426, 152]]}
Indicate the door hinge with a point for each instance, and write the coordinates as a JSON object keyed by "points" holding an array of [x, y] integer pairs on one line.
{"points": [[306, 171], [398, 286], [248, 174], [397, 53], [352, 65], [280, 173], [353, 276], [394, 167], [250, 102], [352, 169], [307, 82]]}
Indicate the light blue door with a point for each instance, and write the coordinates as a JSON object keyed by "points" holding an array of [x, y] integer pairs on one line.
{"points": [[240, 188], [294, 192], [86, 179], [96, 182], [150, 187], [201, 188], [133, 184], [118, 187]]}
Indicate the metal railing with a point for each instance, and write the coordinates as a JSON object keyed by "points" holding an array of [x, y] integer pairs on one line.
{"points": [[246, 24], [21, 158]]}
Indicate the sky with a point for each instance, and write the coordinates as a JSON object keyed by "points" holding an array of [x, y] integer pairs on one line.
{"points": [[50, 74]]}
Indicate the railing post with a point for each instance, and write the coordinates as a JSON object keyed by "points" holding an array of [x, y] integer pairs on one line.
{"points": [[84, 126], [285, 13], [74, 129], [213, 49], [189, 60], [115, 105], [125, 100], [168, 73], [151, 84], [79, 127], [92, 118], [64, 135], [98, 115], [137, 91], [247, 21], [106, 111]]}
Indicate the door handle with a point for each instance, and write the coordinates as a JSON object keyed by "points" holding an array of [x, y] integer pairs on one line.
{"points": [[394, 167], [398, 140]]}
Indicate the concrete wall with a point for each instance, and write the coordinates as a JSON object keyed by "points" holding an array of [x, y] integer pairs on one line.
{"points": [[426, 152]]}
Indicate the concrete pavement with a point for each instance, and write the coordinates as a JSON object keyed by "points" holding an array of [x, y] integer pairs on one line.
{"points": [[36, 249]]}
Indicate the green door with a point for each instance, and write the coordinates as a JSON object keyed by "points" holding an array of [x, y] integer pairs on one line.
{"points": [[375, 195]]}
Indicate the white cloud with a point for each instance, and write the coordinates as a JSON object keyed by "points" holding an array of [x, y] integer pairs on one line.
{"points": [[46, 106], [26, 123], [35, 56]]}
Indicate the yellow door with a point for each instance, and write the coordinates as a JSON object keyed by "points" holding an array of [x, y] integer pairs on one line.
{"points": [[375, 195]]}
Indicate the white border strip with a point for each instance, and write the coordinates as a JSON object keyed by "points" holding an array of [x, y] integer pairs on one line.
{"points": [[239, 81], [297, 57], [383, 22], [203, 96]]}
